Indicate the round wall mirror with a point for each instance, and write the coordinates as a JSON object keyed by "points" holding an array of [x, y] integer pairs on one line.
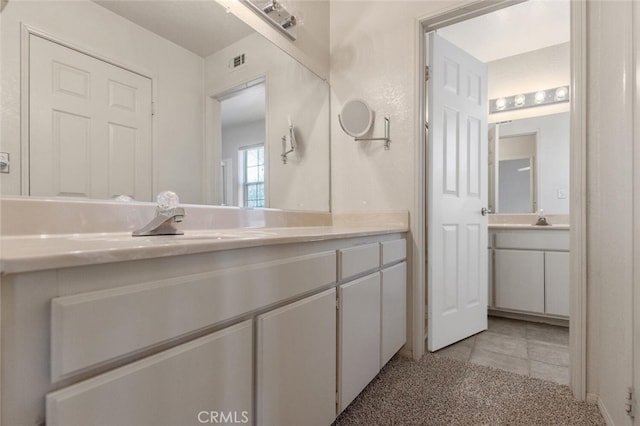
{"points": [[356, 117]]}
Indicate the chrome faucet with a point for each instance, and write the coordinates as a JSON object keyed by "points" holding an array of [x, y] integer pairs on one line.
{"points": [[167, 215]]}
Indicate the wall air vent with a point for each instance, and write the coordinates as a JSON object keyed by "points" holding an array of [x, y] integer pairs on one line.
{"points": [[237, 61]]}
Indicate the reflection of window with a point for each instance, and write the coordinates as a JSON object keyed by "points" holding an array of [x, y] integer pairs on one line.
{"points": [[253, 176]]}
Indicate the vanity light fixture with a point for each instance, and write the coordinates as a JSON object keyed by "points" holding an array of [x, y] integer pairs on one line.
{"points": [[274, 13], [531, 99]]}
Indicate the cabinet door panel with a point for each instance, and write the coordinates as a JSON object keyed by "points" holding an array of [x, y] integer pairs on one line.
{"points": [[556, 270], [394, 311], [359, 325], [519, 280], [210, 374], [296, 363]]}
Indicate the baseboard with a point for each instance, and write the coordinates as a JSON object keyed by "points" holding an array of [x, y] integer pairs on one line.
{"points": [[524, 316], [605, 414], [592, 398]]}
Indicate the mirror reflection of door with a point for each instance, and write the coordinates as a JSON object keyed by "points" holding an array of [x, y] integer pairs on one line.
{"points": [[242, 150]]}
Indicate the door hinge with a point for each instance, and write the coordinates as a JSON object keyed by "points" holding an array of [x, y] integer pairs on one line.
{"points": [[629, 403], [426, 73], [153, 108]]}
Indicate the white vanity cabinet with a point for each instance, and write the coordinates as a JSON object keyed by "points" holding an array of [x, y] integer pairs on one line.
{"points": [[296, 363], [250, 335], [184, 385], [371, 313], [531, 271]]}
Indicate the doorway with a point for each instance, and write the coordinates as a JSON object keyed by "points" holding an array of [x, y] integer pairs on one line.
{"points": [[577, 314], [242, 145]]}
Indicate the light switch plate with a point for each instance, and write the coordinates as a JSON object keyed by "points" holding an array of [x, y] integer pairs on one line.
{"points": [[4, 162], [562, 194]]}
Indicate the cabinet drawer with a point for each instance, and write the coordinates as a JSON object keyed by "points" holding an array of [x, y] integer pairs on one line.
{"points": [[533, 240], [393, 251], [95, 327], [358, 260], [210, 374]]}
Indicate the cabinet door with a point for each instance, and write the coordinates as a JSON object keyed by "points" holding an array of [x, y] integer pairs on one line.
{"points": [[519, 280], [491, 286], [359, 339], [556, 273], [296, 363], [394, 311], [185, 385]]}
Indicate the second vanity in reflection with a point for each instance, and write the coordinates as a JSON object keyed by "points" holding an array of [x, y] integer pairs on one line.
{"points": [[529, 269], [267, 326]]}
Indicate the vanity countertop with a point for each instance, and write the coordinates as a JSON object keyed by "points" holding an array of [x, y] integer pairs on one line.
{"points": [[28, 253], [520, 226]]}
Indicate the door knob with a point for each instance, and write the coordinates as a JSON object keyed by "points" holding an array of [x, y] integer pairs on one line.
{"points": [[485, 210]]}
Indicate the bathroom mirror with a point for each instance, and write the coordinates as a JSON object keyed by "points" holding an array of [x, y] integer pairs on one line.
{"points": [[529, 165], [218, 98], [355, 118]]}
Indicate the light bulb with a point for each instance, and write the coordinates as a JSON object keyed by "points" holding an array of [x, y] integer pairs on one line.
{"points": [[561, 93], [540, 96], [501, 103], [519, 100]]}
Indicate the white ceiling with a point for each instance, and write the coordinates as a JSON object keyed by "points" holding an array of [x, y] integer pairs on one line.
{"points": [[527, 26], [203, 27], [244, 106]]}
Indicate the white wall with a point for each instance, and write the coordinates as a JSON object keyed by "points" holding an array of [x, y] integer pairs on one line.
{"points": [[290, 90], [177, 72], [237, 137], [529, 72], [552, 157]]}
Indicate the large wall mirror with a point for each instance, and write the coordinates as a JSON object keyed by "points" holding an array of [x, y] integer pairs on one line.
{"points": [[106, 98], [529, 165]]}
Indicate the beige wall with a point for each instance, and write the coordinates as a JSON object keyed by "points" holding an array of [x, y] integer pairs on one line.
{"points": [[311, 46], [178, 74], [612, 232], [529, 72], [291, 90]]}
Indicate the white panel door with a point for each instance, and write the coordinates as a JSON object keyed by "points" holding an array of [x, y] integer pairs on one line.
{"points": [[89, 126], [296, 363], [457, 185]]}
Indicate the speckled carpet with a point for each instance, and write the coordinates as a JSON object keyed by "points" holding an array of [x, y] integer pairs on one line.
{"points": [[442, 391]]}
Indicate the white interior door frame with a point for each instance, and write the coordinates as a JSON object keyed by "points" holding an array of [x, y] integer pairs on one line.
{"points": [[26, 32], [212, 192], [578, 173]]}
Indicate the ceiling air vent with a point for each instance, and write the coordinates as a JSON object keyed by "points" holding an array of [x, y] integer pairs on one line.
{"points": [[237, 61]]}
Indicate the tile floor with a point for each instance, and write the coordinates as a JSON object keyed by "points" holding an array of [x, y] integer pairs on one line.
{"points": [[531, 349]]}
